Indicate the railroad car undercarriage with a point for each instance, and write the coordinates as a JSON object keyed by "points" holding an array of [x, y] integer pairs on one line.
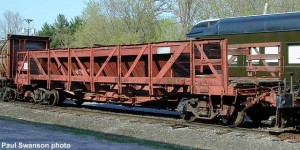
{"points": [[192, 76]]}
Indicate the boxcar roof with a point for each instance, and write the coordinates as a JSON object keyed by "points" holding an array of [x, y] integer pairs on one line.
{"points": [[247, 24], [35, 38]]}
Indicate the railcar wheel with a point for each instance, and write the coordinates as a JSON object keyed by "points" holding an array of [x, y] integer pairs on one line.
{"points": [[237, 119], [53, 98], [14, 95], [9, 94], [37, 96], [182, 109], [30, 97], [2, 90], [188, 116], [4, 95]]}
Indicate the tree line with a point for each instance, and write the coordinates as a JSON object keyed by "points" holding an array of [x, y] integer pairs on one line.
{"points": [[111, 22]]}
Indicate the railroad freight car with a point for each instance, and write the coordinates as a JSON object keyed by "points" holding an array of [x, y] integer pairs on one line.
{"points": [[8, 57], [191, 74], [205, 78]]}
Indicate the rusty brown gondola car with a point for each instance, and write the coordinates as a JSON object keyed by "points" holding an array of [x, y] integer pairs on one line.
{"points": [[194, 74], [199, 76]]}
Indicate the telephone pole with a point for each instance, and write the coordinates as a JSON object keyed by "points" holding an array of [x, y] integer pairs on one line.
{"points": [[28, 27]]}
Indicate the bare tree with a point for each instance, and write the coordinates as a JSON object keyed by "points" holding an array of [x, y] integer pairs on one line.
{"points": [[135, 19], [189, 12], [10, 24]]}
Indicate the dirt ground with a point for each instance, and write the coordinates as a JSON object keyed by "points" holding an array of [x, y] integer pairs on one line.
{"points": [[199, 138]]}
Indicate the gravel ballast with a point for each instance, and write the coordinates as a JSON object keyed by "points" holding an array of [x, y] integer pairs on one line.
{"points": [[202, 138]]}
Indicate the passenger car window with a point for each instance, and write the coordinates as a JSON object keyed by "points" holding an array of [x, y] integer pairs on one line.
{"points": [[293, 52], [271, 50]]}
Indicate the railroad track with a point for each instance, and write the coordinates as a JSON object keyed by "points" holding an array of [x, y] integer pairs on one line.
{"points": [[167, 119]]}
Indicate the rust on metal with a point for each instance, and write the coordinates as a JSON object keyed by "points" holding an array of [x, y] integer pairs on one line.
{"points": [[198, 67]]}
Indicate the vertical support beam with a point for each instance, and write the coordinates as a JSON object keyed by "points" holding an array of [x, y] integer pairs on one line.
{"points": [[47, 44], [28, 68], [69, 70], [224, 65], [119, 61], [201, 66], [8, 56], [92, 70], [192, 67], [19, 68], [249, 74], [24, 45], [150, 75], [280, 61], [19, 50], [278, 117], [48, 70], [13, 58]]}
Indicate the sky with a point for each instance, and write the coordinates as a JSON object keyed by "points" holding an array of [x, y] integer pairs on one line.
{"points": [[42, 11]]}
